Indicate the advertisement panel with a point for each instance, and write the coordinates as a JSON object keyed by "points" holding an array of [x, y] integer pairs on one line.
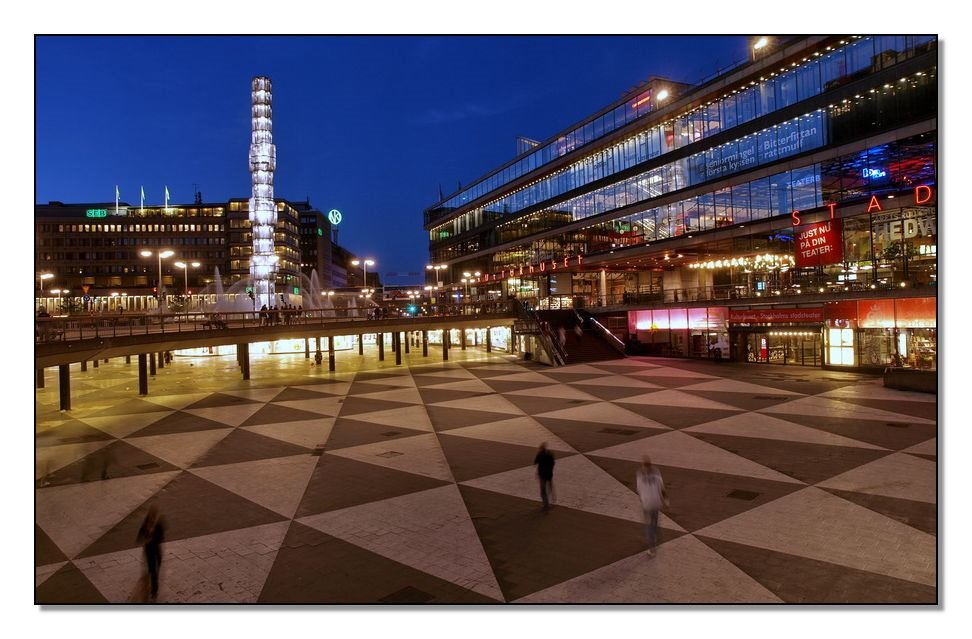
{"points": [[876, 313], [841, 314], [916, 312], [819, 244]]}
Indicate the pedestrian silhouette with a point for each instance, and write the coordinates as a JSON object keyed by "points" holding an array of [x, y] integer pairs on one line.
{"points": [[651, 490], [151, 535], [544, 462]]}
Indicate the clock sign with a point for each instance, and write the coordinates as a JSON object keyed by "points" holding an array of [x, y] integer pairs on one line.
{"points": [[334, 216]]}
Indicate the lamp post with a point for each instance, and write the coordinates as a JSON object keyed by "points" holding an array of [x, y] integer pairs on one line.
{"points": [[364, 264], [185, 269], [58, 292], [44, 276], [161, 255], [760, 43]]}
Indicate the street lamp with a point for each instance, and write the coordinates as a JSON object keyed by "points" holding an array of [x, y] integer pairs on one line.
{"points": [[364, 264], [44, 276], [58, 292], [436, 268], [759, 44], [161, 254], [185, 269]]}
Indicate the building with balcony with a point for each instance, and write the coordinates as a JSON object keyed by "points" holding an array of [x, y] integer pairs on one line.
{"points": [[784, 211]]}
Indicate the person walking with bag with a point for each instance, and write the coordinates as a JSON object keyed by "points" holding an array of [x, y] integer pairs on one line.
{"points": [[651, 490]]}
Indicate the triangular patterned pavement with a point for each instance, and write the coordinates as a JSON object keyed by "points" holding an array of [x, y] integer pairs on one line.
{"points": [[51, 459], [833, 408], [698, 498], [412, 417], [122, 426], [675, 448], [71, 432], [810, 463], [814, 524], [68, 586], [242, 445], [327, 406], [684, 571], [117, 459], [586, 436], [897, 475], [227, 415], [893, 435], [471, 458], [420, 455], [348, 432], [180, 449], [276, 484], [234, 399], [820, 582], [769, 427], [75, 516], [603, 412], [308, 434], [530, 550], [521, 431], [311, 567], [187, 505], [179, 422], [46, 551], [275, 413], [443, 418], [428, 530], [338, 483]]}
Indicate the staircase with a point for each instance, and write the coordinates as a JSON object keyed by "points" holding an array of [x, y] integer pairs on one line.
{"points": [[592, 347]]}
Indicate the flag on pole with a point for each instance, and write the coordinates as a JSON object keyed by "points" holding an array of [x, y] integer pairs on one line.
{"points": [[117, 195], [141, 203], [166, 199]]}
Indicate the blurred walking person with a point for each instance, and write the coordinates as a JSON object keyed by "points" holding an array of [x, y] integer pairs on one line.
{"points": [[151, 535], [544, 461], [651, 490]]}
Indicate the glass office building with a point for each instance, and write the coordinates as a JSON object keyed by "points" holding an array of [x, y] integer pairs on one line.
{"points": [[782, 212]]}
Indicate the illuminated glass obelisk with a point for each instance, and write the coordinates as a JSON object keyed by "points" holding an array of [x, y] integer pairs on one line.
{"points": [[263, 210]]}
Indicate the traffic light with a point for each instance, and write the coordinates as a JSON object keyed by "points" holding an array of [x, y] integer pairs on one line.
{"points": [[155, 292]]}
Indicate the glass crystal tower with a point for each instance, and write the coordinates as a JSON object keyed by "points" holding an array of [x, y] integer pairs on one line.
{"points": [[263, 211]]}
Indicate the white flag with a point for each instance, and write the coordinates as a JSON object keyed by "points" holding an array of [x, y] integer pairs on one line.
{"points": [[117, 195], [166, 194], [143, 193]]}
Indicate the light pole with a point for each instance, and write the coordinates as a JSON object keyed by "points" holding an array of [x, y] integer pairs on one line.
{"points": [[44, 276], [58, 292], [185, 268], [364, 264], [161, 255]]}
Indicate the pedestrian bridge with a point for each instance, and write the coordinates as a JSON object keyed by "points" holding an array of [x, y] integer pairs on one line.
{"points": [[66, 340]]}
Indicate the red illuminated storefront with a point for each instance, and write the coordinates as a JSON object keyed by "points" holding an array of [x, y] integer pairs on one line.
{"points": [[867, 334]]}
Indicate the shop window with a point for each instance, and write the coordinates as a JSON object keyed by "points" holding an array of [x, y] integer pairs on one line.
{"points": [[840, 346]]}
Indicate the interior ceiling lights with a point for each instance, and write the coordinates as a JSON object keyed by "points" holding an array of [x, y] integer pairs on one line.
{"points": [[767, 261]]}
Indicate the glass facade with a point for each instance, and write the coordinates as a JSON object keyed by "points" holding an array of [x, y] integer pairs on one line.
{"points": [[821, 72]]}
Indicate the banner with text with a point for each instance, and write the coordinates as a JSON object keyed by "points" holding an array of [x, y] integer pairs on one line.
{"points": [[768, 316], [819, 244]]}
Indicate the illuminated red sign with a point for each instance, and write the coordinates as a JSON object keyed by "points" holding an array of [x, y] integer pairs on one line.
{"points": [[769, 316], [819, 244]]}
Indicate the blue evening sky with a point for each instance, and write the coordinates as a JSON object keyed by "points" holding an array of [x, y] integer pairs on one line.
{"points": [[369, 125]]}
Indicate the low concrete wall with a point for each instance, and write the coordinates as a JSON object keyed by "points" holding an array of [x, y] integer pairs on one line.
{"points": [[911, 380]]}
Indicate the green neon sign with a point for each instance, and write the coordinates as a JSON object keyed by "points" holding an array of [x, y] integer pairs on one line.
{"points": [[320, 232], [296, 291], [96, 213]]}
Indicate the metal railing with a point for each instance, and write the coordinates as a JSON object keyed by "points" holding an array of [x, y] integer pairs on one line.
{"points": [[609, 337], [89, 326]]}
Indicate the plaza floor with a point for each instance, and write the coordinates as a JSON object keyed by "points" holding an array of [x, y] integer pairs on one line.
{"points": [[415, 484]]}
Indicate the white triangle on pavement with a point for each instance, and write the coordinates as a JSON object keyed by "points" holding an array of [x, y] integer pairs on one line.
{"points": [[413, 417], [76, 515], [419, 455], [676, 398], [229, 415], [519, 431], [329, 406], [309, 433], [675, 448], [180, 449], [430, 530], [769, 427], [825, 407], [277, 484], [121, 426], [604, 413], [48, 459]]}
